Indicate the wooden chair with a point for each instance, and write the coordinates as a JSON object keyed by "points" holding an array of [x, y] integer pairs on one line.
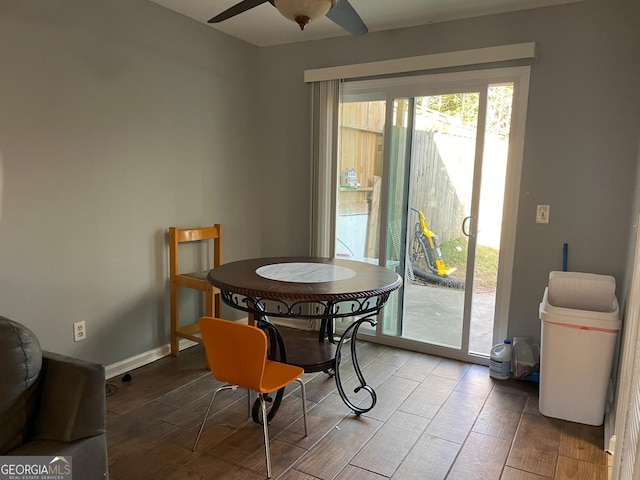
{"points": [[237, 355], [194, 280]]}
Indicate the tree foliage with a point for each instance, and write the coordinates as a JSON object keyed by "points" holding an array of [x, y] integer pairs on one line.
{"points": [[461, 109]]}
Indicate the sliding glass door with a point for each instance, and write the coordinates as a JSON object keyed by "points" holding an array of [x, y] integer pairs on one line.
{"points": [[424, 171]]}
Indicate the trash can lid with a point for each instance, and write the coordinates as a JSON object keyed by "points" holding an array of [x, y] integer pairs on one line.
{"points": [[581, 318], [583, 291]]}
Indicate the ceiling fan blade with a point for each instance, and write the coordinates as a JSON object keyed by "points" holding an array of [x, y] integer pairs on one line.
{"points": [[236, 9], [344, 15]]}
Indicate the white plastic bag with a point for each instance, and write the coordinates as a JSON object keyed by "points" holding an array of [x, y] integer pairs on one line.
{"points": [[526, 359]]}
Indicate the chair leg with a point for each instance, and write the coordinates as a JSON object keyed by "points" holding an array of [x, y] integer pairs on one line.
{"points": [[217, 304], [204, 420], [208, 307], [265, 429], [248, 403], [175, 321], [304, 405]]}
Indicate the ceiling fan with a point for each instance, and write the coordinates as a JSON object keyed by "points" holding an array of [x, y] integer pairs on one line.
{"points": [[305, 11]]}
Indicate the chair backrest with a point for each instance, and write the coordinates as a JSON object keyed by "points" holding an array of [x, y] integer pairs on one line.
{"points": [[236, 352], [182, 235]]}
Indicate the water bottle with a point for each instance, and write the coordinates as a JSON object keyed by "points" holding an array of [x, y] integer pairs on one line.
{"points": [[500, 362]]}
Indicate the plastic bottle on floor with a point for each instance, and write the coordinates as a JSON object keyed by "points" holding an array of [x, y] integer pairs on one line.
{"points": [[500, 361]]}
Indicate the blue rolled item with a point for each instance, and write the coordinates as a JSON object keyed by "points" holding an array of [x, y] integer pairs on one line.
{"points": [[565, 255]]}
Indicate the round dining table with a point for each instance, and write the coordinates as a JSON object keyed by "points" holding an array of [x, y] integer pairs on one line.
{"points": [[309, 288]]}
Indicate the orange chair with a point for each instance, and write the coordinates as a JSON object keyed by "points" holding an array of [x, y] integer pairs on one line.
{"points": [[196, 280], [237, 355]]}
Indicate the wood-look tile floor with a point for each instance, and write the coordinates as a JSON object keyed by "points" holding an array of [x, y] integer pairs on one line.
{"points": [[434, 419]]}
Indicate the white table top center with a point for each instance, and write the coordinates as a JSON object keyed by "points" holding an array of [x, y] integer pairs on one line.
{"points": [[305, 272]]}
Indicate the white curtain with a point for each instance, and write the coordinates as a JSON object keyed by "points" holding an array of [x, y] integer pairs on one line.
{"points": [[325, 107]]}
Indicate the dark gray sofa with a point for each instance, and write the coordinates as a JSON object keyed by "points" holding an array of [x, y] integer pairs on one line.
{"points": [[50, 404]]}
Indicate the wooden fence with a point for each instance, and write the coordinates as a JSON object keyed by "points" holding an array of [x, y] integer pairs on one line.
{"points": [[432, 190]]}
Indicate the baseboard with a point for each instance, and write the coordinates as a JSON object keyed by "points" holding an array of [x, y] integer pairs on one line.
{"points": [[611, 456], [142, 359]]}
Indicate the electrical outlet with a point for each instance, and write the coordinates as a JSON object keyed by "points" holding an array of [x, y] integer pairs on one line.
{"points": [[542, 214], [79, 331]]}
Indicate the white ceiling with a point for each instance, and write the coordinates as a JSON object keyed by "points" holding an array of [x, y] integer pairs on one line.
{"points": [[264, 26]]}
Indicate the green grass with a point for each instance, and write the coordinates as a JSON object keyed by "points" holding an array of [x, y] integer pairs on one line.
{"points": [[454, 253]]}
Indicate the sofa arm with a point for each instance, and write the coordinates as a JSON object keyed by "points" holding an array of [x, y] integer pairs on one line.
{"points": [[72, 400]]}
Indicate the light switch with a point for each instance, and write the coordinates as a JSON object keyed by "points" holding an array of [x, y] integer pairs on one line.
{"points": [[542, 214]]}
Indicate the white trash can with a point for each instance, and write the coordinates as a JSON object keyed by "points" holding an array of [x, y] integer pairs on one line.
{"points": [[576, 350]]}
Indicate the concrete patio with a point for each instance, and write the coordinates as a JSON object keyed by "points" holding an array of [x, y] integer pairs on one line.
{"points": [[434, 314]]}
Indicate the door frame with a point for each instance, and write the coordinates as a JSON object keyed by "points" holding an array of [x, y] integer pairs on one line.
{"points": [[433, 84]]}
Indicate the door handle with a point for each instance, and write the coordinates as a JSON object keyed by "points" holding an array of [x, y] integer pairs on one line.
{"points": [[464, 223]]}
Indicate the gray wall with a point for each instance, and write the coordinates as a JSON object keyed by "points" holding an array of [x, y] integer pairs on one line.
{"points": [[118, 119], [581, 140]]}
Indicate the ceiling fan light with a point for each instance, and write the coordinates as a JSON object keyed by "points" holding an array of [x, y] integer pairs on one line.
{"points": [[303, 11]]}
